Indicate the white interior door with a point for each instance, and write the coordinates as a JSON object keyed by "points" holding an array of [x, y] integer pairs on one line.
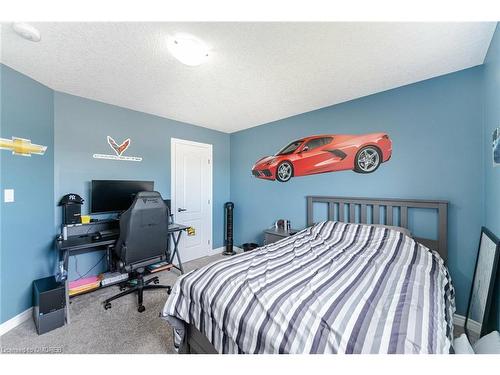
{"points": [[192, 195]]}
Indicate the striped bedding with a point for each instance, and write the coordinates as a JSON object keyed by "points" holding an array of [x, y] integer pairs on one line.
{"points": [[331, 288]]}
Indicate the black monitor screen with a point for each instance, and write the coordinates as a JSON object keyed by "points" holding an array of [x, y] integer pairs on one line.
{"points": [[116, 195]]}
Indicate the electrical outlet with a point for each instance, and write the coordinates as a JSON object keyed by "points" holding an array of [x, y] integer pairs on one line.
{"points": [[8, 195]]}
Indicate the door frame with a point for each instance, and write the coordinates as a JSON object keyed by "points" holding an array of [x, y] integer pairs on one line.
{"points": [[209, 147]]}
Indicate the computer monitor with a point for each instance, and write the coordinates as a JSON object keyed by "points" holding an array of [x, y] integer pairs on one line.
{"points": [[115, 195]]}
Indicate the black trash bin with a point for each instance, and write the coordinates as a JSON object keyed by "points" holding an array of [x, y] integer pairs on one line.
{"points": [[249, 246]]}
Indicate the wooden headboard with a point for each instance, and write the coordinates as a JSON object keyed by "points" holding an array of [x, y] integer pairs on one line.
{"points": [[345, 209]]}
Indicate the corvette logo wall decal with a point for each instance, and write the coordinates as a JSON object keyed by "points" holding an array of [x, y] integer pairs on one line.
{"points": [[21, 146], [119, 149], [325, 153]]}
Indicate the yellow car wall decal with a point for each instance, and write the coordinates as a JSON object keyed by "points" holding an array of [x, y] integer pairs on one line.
{"points": [[21, 146]]}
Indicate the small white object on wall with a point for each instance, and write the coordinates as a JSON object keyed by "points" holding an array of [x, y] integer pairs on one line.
{"points": [[8, 195]]}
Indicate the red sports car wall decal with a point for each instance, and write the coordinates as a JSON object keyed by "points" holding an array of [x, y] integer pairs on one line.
{"points": [[326, 153]]}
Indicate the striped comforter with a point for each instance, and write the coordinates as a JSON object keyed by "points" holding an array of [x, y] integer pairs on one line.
{"points": [[331, 288]]}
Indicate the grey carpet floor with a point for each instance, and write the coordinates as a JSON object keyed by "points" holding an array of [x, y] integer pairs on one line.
{"points": [[121, 329]]}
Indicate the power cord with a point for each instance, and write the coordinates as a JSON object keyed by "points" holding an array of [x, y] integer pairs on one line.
{"points": [[86, 273], [76, 267]]}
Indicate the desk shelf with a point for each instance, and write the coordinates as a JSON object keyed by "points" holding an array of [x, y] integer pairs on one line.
{"points": [[167, 267]]}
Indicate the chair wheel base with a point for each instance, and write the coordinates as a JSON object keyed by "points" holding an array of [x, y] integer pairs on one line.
{"points": [[141, 308], [107, 306]]}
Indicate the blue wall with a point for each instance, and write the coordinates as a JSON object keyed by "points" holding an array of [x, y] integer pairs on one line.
{"points": [[27, 226], [492, 121], [81, 127], [435, 127]]}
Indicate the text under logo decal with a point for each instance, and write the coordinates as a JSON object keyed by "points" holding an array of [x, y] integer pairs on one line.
{"points": [[119, 149]]}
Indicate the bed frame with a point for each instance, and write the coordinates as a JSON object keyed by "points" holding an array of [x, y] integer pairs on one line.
{"points": [[369, 210], [353, 210]]}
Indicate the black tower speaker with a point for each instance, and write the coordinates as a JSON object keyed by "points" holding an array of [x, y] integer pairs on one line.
{"points": [[72, 208], [72, 214], [228, 235]]}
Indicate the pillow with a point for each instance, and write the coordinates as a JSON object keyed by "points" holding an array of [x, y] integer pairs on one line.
{"points": [[461, 345], [489, 344], [399, 229]]}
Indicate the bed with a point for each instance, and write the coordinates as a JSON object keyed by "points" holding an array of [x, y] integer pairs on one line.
{"points": [[348, 284]]}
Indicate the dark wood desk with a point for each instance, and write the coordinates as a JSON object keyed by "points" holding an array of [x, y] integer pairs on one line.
{"points": [[76, 243], [85, 243]]}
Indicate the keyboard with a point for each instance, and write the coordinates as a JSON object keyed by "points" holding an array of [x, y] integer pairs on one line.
{"points": [[109, 233]]}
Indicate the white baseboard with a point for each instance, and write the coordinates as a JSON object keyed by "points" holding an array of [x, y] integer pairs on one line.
{"points": [[474, 327], [15, 321], [459, 320], [222, 248]]}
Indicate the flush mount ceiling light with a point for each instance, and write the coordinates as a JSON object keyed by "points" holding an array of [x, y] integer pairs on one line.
{"points": [[26, 31], [187, 49]]}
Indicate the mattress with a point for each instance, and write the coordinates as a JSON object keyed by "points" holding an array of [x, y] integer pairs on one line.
{"points": [[331, 288]]}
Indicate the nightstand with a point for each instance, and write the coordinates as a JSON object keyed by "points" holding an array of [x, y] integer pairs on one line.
{"points": [[273, 235]]}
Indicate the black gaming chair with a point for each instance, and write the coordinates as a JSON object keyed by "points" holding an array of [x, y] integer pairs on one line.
{"points": [[143, 241]]}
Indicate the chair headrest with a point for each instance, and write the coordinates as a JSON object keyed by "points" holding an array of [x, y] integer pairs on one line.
{"points": [[148, 194], [147, 199]]}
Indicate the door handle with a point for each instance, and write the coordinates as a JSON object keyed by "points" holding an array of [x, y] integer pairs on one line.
{"points": [[181, 209]]}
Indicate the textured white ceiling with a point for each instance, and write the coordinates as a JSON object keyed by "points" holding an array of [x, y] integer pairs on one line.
{"points": [[256, 72]]}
